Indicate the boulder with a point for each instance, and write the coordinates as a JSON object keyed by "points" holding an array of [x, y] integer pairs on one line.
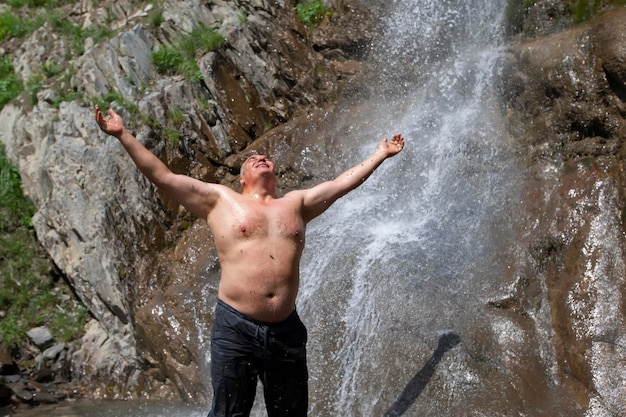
{"points": [[40, 336]]}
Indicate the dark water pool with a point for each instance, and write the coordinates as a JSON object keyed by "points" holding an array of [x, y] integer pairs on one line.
{"points": [[88, 408]]}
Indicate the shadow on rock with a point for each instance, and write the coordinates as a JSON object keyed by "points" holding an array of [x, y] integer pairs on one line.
{"points": [[417, 384]]}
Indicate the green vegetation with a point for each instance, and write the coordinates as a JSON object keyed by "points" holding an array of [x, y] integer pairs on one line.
{"points": [[180, 58], [584, 10], [155, 16], [39, 3], [575, 11], [169, 130], [76, 34], [64, 88], [12, 26], [15, 208], [312, 13], [157, 19], [30, 295], [10, 86], [33, 86], [62, 84]]}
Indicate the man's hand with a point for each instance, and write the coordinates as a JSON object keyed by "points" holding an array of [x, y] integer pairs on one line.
{"points": [[113, 125], [392, 147]]}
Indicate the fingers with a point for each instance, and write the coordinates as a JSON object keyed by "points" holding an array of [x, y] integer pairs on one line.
{"points": [[101, 120], [397, 138], [396, 144], [397, 141], [99, 117]]}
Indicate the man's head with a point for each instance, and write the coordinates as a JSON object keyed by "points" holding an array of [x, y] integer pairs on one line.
{"points": [[256, 168]]}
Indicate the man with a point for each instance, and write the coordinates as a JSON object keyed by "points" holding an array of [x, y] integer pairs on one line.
{"points": [[259, 238]]}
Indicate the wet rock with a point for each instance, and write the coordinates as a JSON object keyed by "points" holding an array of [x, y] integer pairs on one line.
{"points": [[43, 396], [43, 374], [35, 393], [5, 395], [53, 352], [567, 109], [7, 364], [569, 88], [98, 355], [11, 379], [22, 392]]}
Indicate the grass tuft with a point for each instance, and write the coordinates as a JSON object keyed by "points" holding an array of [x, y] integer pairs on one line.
{"points": [[312, 13], [10, 86], [180, 58]]}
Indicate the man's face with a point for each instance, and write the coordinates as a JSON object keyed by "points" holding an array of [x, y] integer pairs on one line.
{"points": [[257, 165]]}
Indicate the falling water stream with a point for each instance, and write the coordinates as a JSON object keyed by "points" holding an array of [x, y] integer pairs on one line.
{"points": [[396, 275]]}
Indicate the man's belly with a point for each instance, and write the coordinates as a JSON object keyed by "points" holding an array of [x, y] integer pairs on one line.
{"points": [[263, 298], [260, 277]]}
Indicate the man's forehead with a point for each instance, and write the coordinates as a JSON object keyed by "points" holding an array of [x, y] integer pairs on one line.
{"points": [[255, 156]]}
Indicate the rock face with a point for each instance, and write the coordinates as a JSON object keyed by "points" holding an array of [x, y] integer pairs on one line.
{"points": [[567, 109], [127, 251]]}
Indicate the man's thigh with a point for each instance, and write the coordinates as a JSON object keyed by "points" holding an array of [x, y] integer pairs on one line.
{"points": [[234, 367], [284, 373], [286, 389], [234, 382]]}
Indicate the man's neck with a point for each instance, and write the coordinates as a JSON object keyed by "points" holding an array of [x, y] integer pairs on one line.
{"points": [[259, 193]]}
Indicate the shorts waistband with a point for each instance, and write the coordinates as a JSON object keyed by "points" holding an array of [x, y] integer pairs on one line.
{"points": [[293, 316]]}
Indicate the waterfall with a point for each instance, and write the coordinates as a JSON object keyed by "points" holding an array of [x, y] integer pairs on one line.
{"points": [[405, 263]]}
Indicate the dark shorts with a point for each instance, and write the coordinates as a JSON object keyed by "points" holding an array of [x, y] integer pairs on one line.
{"points": [[244, 350]]}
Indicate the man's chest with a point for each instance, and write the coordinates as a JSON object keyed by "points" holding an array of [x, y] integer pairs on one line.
{"points": [[249, 220]]}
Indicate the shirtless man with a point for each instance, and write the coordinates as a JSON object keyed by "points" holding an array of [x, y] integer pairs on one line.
{"points": [[259, 238]]}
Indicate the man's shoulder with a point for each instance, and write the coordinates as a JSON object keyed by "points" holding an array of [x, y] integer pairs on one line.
{"points": [[218, 188], [295, 195]]}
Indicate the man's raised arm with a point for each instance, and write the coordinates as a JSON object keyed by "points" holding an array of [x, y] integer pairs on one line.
{"points": [[317, 199], [197, 196]]}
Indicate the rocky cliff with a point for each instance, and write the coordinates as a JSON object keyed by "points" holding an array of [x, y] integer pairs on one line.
{"points": [[566, 103]]}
